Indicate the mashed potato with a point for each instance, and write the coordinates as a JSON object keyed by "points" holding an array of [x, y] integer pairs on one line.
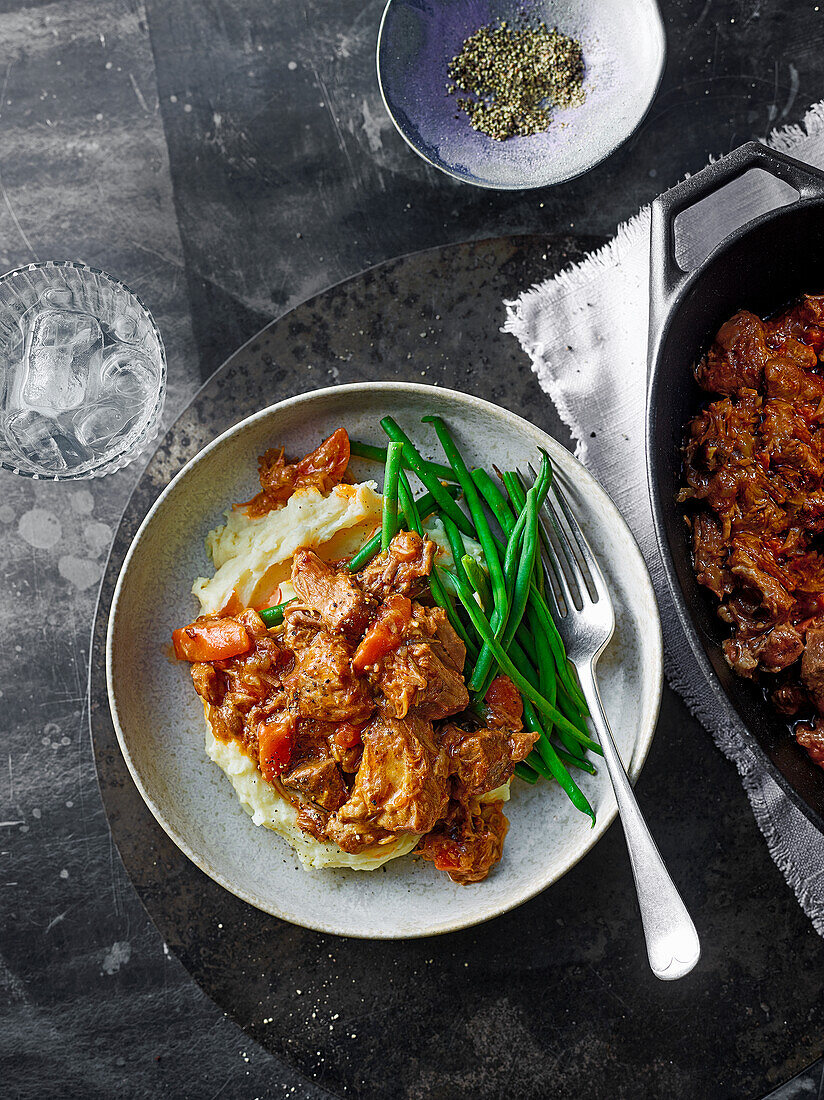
{"points": [[252, 558], [253, 555]]}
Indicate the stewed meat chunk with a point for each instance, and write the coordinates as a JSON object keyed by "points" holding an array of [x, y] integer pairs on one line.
{"points": [[811, 737], [425, 672], [468, 842], [322, 685], [406, 560], [401, 785], [812, 663], [754, 489], [485, 759], [319, 779], [334, 594], [209, 683]]}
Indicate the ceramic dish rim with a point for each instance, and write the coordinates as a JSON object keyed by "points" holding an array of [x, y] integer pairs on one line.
{"points": [[641, 745]]}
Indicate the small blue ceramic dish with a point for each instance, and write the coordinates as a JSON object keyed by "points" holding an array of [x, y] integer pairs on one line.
{"points": [[624, 50]]}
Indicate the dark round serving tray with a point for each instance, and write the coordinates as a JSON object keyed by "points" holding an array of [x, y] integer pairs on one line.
{"points": [[538, 1002]]}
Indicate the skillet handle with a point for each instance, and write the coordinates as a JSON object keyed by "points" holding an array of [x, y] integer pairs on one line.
{"points": [[666, 277]]}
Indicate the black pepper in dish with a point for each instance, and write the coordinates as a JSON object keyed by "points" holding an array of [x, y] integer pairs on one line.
{"points": [[516, 76]]}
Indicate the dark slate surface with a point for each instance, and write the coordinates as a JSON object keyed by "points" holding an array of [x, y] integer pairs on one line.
{"points": [[228, 159]]}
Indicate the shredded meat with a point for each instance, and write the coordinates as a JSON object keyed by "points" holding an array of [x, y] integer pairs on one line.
{"points": [[401, 785], [468, 842], [209, 683], [334, 594], [812, 663], [343, 706], [322, 469], [406, 560], [425, 672], [811, 737], [754, 488]]}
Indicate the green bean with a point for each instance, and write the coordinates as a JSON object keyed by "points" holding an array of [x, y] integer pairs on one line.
{"points": [[456, 545], [426, 506], [573, 761], [477, 579], [542, 535], [378, 454], [527, 643], [536, 761], [523, 771], [534, 723], [413, 521], [568, 708], [473, 503], [547, 679], [519, 564], [481, 624], [419, 466], [389, 524], [512, 484], [547, 682], [557, 646], [495, 499], [408, 505], [366, 552], [523, 664], [273, 616], [526, 565], [554, 764]]}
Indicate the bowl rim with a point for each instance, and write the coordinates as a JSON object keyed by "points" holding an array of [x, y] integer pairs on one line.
{"points": [[642, 743], [654, 12]]}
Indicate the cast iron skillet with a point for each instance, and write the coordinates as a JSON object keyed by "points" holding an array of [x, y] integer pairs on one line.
{"points": [[761, 267]]}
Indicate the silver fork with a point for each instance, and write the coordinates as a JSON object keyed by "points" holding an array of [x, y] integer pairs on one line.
{"points": [[585, 619]]}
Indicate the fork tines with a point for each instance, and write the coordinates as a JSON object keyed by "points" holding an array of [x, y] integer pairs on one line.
{"points": [[574, 569]]}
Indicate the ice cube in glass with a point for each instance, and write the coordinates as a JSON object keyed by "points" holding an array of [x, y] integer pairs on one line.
{"points": [[104, 425], [61, 351], [128, 374], [44, 442]]}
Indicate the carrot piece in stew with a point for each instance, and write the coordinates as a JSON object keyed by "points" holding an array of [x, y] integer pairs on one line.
{"points": [[275, 743], [211, 639], [386, 632]]}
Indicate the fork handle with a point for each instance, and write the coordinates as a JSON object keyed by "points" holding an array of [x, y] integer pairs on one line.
{"points": [[672, 942]]}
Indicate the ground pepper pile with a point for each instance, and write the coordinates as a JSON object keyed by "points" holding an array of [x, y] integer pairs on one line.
{"points": [[517, 75]]}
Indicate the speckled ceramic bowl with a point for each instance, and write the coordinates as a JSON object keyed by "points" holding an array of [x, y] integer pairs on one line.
{"points": [[624, 49], [159, 719]]}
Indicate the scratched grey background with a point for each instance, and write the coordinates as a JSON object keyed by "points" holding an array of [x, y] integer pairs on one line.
{"points": [[228, 158]]}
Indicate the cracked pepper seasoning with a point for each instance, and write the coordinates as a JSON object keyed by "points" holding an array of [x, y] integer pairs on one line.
{"points": [[516, 76]]}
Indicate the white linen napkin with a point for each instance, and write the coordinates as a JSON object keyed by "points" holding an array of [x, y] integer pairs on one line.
{"points": [[585, 332]]}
